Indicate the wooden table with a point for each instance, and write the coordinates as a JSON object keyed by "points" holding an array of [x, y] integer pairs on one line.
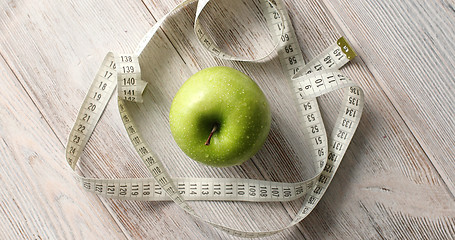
{"points": [[397, 180]]}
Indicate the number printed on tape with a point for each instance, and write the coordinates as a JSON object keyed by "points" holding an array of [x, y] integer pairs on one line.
{"points": [[320, 76]]}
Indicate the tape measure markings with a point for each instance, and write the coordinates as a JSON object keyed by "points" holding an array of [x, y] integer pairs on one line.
{"points": [[293, 64], [329, 59], [91, 110], [129, 81], [309, 81]]}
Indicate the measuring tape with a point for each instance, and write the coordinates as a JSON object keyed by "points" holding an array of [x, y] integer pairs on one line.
{"points": [[318, 77]]}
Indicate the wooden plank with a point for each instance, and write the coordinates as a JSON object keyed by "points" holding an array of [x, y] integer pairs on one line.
{"points": [[388, 165], [74, 56], [410, 172], [55, 53], [373, 185], [369, 198], [39, 199], [409, 175], [408, 47]]}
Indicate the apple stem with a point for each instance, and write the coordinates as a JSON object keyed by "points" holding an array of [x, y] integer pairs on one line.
{"points": [[215, 127]]}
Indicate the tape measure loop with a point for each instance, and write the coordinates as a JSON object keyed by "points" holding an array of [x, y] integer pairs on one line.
{"points": [[318, 77], [207, 42]]}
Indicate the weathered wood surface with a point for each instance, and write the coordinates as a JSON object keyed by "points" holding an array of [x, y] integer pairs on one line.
{"points": [[35, 202], [396, 180], [409, 50]]}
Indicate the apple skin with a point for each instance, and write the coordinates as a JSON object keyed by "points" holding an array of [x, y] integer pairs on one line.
{"points": [[229, 99]]}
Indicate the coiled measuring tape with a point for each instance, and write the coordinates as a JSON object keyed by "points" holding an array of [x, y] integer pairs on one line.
{"points": [[309, 81]]}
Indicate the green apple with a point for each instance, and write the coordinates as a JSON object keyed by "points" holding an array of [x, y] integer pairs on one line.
{"points": [[220, 117]]}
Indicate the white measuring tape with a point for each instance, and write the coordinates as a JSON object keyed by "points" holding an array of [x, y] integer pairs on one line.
{"points": [[311, 80]]}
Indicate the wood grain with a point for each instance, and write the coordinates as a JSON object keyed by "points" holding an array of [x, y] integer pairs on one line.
{"points": [[39, 198], [415, 67], [388, 186], [390, 154], [117, 159]]}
